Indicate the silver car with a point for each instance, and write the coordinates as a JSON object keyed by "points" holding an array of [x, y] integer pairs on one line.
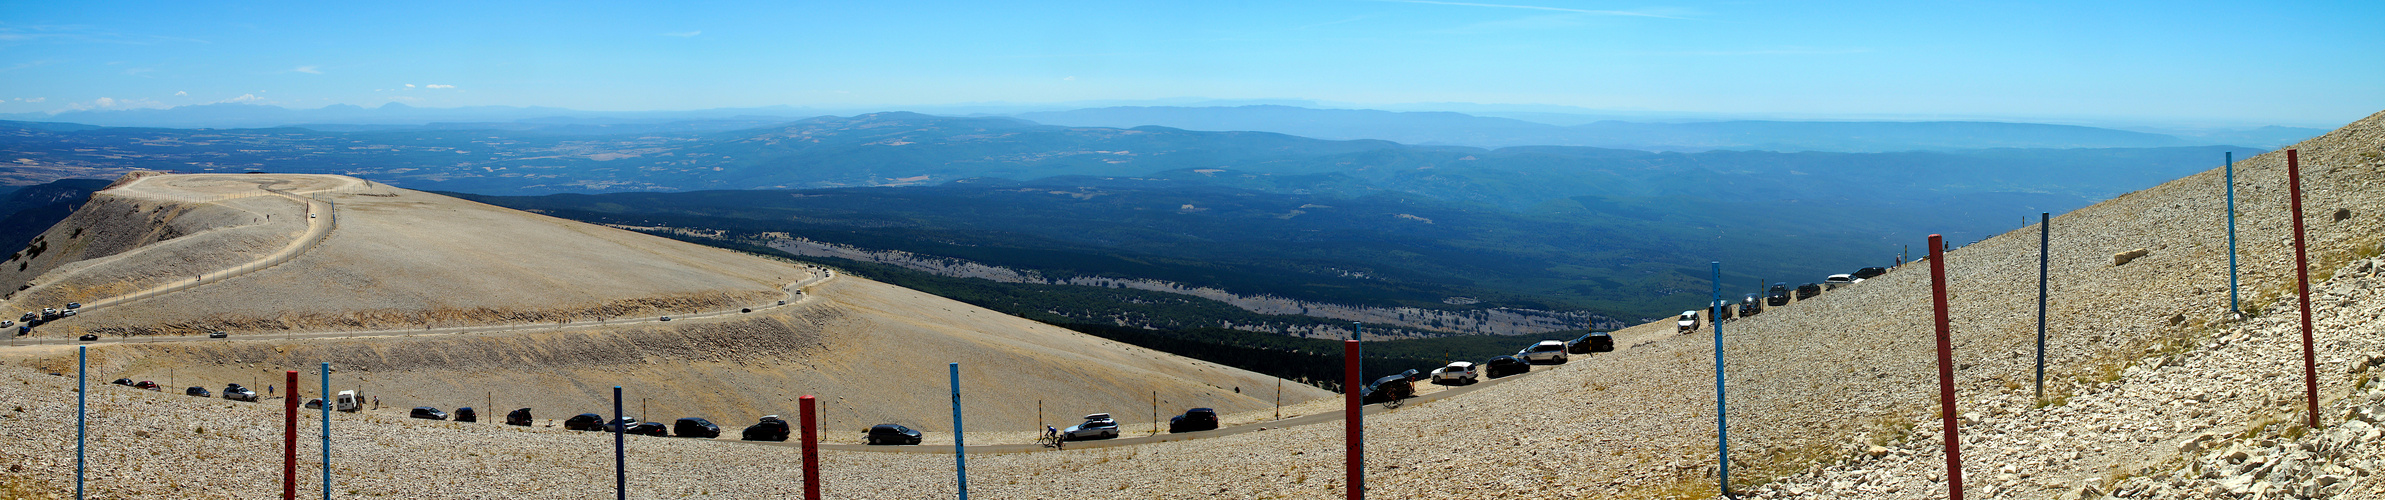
{"points": [[1457, 373], [1547, 352], [1096, 426]]}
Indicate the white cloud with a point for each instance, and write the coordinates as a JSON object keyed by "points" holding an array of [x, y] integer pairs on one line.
{"points": [[308, 70], [409, 85], [685, 34], [437, 86], [112, 103], [178, 92], [243, 99], [33, 99]]}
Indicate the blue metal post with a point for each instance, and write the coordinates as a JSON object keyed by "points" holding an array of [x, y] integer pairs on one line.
{"points": [[82, 394], [1722, 414], [2045, 238], [620, 459], [2233, 306], [960, 458], [326, 389]]}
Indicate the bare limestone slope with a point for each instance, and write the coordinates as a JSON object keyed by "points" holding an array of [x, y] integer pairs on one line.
{"points": [[421, 299]]}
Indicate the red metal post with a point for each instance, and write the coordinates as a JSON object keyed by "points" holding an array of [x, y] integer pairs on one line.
{"points": [[1353, 442], [811, 449], [1954, 438], [2310, 354], [290, 437]]}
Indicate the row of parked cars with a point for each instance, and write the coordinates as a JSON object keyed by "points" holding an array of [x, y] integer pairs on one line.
{"points": [[1547, 352], [1779, 295], [47, 314]]}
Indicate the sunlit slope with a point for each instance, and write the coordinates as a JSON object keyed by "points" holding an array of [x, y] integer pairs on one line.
{"points": [[422, 299]]}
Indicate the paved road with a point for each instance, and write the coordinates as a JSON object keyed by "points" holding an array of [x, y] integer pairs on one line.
{"points": [[1319, 418]]}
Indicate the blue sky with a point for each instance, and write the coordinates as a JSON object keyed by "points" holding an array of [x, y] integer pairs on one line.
{"points": [[2174, 63]]}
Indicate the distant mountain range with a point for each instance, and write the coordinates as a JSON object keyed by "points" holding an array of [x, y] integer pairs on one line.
{"points": [[1443, 128]]}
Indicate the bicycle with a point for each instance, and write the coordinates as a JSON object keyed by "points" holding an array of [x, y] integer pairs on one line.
{"points": [[1052, 441]]}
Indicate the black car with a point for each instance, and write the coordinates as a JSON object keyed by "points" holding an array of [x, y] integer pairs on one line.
{"points": [[585, 422], [197, 391], [89, 337], [656, 429], [1594, 342], [1808, 290], [1412, 375], [1720, 311], [314, 403], [695, 428], [123, 382], [1779, 296], [1751, 305], [891, 434], [217, 334], [771, 428], [1195, 420], [428, 413], [519, 417], [1386, 389], [466, 414], [1503, 366], [1870, 272]]}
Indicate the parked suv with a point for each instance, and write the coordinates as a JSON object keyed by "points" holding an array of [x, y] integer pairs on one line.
{"points": [[237, 393], [520, 417], [891, 434], [1750, 305], [1505, 365], [1592, 343], [1779, 296], [1688, 322], [1808, 290], [1193, 420], [1838, 280], [1870, 272], [1547, 352], [1457, 373], [467, 414], [1387, 389], [585, 422]]}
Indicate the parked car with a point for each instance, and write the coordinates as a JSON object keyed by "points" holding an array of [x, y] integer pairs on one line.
{"points": [[1594, 342], [692, 427], [1751, 305], [312, 403], [74, 305], [1387, 389], [520, 417], [1193, 420], [197, 391], [1505, 365], [1457, 373], [123, 382], [349, 402], [1095, 426], [1687, 322], [89, 337], [466, 414], [891, 434], [1838, 280], [666, 318], [585, 422], [1808, 290], [217, 334], [1870, 272], [656, 429], [427, 413], [1779, 296], [771, 428], [1547, 352], [1412, 375], [146, 385], [237, 393], [1720, 311], [620, 423]]}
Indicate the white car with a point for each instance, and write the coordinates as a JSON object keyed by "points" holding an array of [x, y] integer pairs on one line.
{"points": [[1839, 280], [1096, 426], [1457, 373], [1688, 322], [1547, 352]]}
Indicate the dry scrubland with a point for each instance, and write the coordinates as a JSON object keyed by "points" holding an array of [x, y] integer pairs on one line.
{"points": [[2156, 392]]}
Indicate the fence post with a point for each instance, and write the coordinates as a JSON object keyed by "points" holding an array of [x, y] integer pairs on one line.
{"points": [[1954, 442], [290, 436], [811, 449], [1722, 413], [960, 456], [2045, 237], [621, 458], [2234, 308], [82, 408], [325, 389], [2310, 368], [1353, 441]]}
